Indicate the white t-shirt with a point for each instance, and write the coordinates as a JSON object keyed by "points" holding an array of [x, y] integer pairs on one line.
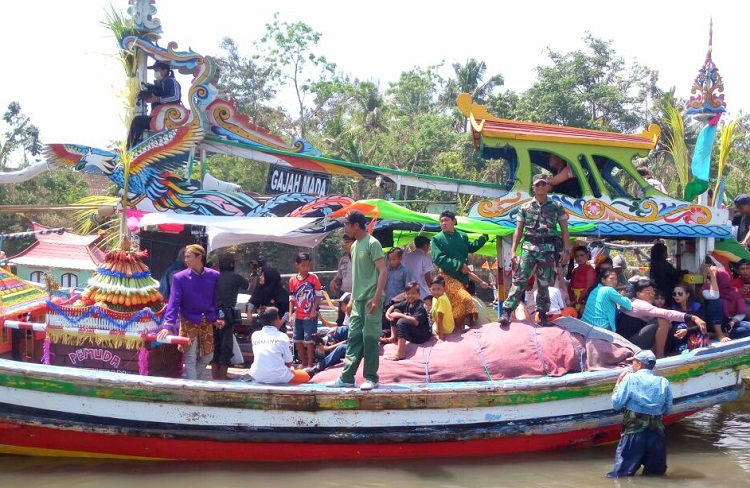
{"points": [[556, 302], [345, 273], [271, 351], [418, 263]]}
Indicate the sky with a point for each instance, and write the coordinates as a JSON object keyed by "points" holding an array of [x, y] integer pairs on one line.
{"points": [[60, 62]]}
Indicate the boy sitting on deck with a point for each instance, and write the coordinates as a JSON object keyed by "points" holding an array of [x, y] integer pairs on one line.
{"points": [[398, 275], [442, 311], [408, 321], [333, 345], [272, 353]]}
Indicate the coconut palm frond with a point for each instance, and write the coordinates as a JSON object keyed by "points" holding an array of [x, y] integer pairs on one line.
{"points": [[675, 142], [96, 221], [727, 138], [129, 95], [122, 27]]}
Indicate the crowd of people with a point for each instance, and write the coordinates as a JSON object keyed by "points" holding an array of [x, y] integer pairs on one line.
{"points": [[397, 297]]}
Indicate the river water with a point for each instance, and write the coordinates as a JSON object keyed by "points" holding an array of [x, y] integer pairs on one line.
{"points": [[709, 449]]}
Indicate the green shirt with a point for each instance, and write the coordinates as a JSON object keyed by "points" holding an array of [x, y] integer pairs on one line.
{"points": [[451, 251], [365, 252]]}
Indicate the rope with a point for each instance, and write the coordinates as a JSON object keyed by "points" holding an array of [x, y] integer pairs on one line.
{"points": [[539, 350], [580, 352], [481, 356], [426, 364]]}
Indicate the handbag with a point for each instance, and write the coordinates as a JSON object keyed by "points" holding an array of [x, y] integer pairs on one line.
{"points": [[237, 357]]}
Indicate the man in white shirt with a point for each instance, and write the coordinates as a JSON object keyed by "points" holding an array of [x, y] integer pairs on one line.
{"points": [[419, 265], [272, 353]]}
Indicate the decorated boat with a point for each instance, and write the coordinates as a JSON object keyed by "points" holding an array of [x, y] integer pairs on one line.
{"points": [[57, 411], [62, 409]]}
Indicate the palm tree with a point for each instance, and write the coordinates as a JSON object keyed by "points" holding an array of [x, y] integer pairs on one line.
{"points": [[469, 78]]}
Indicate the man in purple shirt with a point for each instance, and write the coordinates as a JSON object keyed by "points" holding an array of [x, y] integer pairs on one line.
{"points": [[192, 302]]}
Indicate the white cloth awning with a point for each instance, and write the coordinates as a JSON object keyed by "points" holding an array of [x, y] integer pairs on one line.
{"points": [[225, 231]]}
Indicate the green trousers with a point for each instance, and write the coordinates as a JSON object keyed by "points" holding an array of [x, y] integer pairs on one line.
{"points": [[545, 276], [364, 334]]}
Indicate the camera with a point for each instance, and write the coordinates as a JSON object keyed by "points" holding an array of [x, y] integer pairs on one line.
{"points": [[147, 90]]}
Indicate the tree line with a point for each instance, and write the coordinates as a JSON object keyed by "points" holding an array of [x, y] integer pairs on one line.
{"points": [[411, 124]]}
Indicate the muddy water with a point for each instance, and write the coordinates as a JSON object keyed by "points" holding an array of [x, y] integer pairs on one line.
{"points": [[709, 449]]}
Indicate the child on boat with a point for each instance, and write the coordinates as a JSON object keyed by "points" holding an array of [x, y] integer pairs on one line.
{"points": [[409, 321], [333, 345], [272, 353], [398, 275], [304, 296], [442, 311]]}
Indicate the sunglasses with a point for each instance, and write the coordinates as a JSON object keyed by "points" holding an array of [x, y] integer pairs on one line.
{"points": [[581, 255], [678, 293], [540, 183]]}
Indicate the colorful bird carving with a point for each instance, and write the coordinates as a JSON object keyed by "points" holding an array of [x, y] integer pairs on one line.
{"points": [[152, 175]]}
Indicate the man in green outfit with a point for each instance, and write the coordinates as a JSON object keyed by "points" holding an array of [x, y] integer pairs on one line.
{"points": [[450, 253], [369, 276], [537, 224]]}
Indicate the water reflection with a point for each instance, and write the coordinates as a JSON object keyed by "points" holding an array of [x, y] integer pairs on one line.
{"points": [[709, 449]]}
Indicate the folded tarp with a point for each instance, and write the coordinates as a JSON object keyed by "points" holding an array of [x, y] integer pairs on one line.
{"points": [[225, 231]]}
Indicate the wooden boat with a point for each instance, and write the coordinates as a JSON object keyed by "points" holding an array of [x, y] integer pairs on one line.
{"points": [[57, 411], [50, 410]]}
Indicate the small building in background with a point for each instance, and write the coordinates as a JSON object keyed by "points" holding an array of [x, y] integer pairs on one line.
{"points": [[70, 258], [20, 301]]}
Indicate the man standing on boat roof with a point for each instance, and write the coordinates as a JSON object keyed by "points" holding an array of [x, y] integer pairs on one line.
{"points": [[192, 302], [537, 225], [645, 398]]}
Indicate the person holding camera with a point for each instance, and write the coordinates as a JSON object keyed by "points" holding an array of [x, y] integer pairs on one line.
{"points": [[166, 89]]}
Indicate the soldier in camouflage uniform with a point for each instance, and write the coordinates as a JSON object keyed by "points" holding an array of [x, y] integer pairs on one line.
{"points": [[537, 224]]}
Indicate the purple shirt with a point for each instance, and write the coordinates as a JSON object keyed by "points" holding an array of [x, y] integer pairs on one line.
{"points": [[193, 295]]}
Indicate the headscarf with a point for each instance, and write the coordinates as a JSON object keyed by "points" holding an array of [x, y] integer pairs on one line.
{"points": [[730, 297], [271, 291]]}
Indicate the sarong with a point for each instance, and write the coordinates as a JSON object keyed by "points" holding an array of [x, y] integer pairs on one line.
{"points": [[460, 298], [203, 331]]}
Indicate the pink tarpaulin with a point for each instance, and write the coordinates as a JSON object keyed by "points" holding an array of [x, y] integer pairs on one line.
{"points": [[524, 350]]}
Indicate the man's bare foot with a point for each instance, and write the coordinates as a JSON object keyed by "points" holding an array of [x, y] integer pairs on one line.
{"points": [[393, 357]]}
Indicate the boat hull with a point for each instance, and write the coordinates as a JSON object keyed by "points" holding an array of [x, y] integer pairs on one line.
{"points": [[53, 411]]}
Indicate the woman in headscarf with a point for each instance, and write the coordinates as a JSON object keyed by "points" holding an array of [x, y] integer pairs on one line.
{"points": [[269, 292], [582, 278]]}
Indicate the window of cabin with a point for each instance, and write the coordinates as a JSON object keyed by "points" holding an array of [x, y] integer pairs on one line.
{"points": [[69, 280], [37, 277], [616, 180], [584, 162], [508, 154], [540, 160]]}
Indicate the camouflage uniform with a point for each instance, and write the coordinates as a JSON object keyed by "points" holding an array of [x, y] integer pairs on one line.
{"points": [[537, 249]]}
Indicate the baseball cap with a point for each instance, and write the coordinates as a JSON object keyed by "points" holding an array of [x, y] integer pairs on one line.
{"points": [[540, 177], [159, 65], [743, 199], [646, 357], [356, 217]]}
